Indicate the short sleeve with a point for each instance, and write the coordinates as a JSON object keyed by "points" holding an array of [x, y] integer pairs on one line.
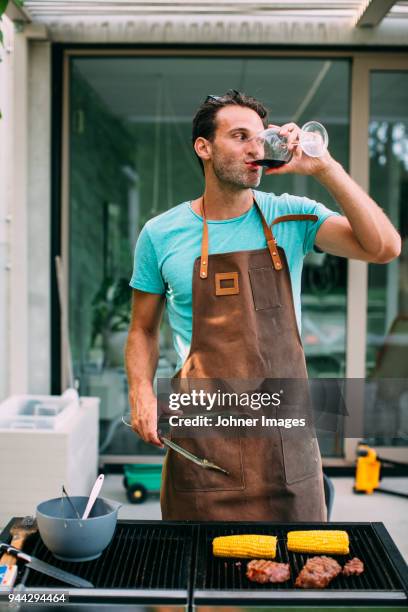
{"points": [[314, 208], [146, 273]]}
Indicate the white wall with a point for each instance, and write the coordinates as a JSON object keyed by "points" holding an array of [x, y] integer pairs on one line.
{"points": [[6, 122], [39, 215], [25, 99]]}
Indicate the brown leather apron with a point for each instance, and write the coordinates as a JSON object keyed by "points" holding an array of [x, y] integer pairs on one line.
{"points": [[244, 327]]}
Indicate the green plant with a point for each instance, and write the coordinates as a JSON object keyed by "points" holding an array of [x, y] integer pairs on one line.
{"points": [[111, 307], [3, 6]]}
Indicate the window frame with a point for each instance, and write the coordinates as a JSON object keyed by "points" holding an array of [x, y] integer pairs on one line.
{"points": [[362, 64]]}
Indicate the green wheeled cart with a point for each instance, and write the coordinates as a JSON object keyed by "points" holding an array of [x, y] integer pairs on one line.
{"points": [[140, 479]]}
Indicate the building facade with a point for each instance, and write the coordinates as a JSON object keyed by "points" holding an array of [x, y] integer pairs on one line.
{"points": [[95, 140]]}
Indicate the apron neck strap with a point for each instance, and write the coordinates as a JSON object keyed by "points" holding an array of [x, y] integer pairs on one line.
{"points": [[204, 245], [270, 240]]}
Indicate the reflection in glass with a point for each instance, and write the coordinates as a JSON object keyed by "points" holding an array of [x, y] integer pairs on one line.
{"points": [[387, 324]]}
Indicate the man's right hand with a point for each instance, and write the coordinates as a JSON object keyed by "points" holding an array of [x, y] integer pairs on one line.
{"points": [[143, 410]]}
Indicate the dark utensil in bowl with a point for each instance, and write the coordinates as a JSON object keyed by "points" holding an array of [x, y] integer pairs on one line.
{"points": [[73, 539]]}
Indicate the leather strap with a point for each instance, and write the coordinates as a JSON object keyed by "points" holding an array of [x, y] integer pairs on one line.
{"points": [[204, 247], [270, 240], [294, 218]]}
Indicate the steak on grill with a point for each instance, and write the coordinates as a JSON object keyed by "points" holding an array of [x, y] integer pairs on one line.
{"points": [[260, 570], [354, 567], [317, 573]]}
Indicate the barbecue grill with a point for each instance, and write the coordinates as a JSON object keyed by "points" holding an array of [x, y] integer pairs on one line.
{"points": [[153, 563]]}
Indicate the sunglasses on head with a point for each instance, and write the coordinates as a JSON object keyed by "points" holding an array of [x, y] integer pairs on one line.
{"points": [[217, 98]]}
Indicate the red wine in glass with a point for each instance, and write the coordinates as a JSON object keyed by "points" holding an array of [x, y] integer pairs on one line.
{"points": [[276, 152], [271, 163]]}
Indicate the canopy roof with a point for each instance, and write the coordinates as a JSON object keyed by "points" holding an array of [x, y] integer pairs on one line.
{"points": [[318, 21]]}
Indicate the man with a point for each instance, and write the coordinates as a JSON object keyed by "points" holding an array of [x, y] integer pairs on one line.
{"points": [[240, 255]]}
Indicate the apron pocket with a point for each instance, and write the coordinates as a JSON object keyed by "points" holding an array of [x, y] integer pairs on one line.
{"points": [[301, 455], [225, 452], [265, 291]]}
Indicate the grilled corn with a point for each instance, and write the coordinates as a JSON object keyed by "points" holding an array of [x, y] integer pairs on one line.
{"points": [[322, 541], [245, 546]]}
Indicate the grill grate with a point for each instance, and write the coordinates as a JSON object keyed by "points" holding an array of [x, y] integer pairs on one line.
{"points": [[164, 562], [140, 556], [220, 577]]}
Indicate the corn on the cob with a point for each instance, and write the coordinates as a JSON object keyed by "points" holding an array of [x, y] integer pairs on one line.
{"points": [[248, 546], [319, 541]]}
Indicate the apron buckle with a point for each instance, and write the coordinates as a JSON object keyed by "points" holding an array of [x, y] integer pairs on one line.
{"points": [[273, 250], [222, 277]]}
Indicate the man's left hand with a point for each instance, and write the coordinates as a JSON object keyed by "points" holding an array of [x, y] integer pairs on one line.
{"points": [[300, 162]]}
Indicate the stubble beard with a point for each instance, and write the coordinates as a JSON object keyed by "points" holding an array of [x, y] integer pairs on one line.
{"points": [[233, 176]]}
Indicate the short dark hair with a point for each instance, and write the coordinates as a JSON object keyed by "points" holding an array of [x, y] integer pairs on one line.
{"points": [[204, 122]]}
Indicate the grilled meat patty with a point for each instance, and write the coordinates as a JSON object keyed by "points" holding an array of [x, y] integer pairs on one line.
{"points": [[260, 570], [317, 573], [354, 567]]}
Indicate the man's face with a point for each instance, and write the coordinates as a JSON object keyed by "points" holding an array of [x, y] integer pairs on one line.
{"points": [[234, 148]]}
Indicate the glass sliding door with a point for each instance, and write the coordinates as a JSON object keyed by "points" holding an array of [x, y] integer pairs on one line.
{"points": [[387, 317], [131, 158]]}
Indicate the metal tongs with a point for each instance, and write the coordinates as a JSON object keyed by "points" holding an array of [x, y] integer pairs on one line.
{"points": [[204, 463]]}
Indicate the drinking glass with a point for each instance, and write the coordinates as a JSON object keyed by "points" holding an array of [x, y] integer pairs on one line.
{"points": [[313, 140]]}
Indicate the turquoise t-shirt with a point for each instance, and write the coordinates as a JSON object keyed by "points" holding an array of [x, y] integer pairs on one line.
{"points": [[169, 243]]}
